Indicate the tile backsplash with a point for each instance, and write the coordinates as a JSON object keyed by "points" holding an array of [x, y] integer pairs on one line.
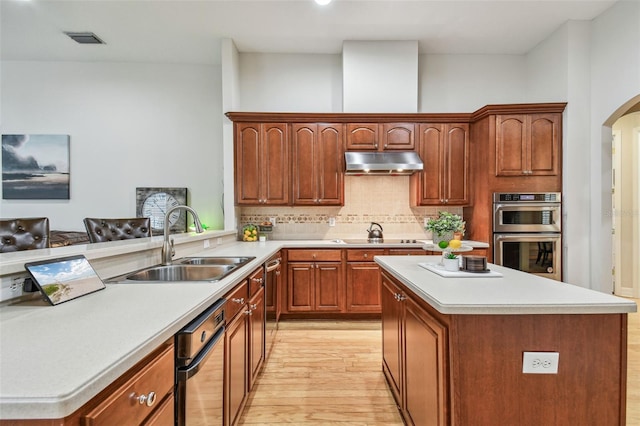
{"points": [[381, 199]]}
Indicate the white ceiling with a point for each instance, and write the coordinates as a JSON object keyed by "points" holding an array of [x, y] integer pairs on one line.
{"points": [[189, 31]]}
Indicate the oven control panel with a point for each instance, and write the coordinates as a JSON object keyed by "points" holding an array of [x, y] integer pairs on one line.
{"points": [[511, 197]]}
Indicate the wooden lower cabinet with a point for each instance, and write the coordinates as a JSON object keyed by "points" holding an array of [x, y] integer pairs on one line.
{"points": [[414, 358], [315, 284], [466, 369], [244, 343]]}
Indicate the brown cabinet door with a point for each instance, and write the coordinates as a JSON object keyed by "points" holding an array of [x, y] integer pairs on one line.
{"points": [[248, 163], [398, 136], [444, 149], [317, 164], [300, 286], [527, 145], [544, 138], [425, 369], [392, 314], [329, 287], [363, 287], [261, 163], [236, 368], [256, 336], [456, 164], [511, 154], [427, 185], [362, 136]]}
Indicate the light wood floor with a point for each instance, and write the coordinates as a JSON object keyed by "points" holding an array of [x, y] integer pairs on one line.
{"points": [[329, 373]]}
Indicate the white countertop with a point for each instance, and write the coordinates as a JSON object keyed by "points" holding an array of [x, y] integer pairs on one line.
{"points": [[512, 294], [53, 359]]}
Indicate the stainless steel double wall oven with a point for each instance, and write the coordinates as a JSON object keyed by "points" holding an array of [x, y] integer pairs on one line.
{"points": [[527, 232]]}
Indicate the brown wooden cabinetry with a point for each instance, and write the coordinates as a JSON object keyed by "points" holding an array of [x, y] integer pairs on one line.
{"points": [[261, 164], [244, 342], [527, 145], [315, 281], [380, 136], [414, 350], [145, 397], [363, 281], [317, 164], [444, 149]]}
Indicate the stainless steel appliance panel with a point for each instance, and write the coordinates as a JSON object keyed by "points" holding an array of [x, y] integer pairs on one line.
{"points": [[272, 311], [529, 217], [200, 374], [537, 254]]}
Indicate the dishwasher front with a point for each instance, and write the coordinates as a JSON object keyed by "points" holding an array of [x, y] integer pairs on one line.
{"points": [[200, 369]]}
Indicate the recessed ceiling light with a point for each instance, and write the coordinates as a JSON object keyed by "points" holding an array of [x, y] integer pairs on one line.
{"points": [[85, 37], [323, 2]]}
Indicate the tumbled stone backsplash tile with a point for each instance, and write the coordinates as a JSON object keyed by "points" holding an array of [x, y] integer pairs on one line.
{"points": [[380, 199]]}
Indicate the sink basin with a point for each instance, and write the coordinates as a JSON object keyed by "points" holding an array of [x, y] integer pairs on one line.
{"points": [[236, 261], [163, 273]]}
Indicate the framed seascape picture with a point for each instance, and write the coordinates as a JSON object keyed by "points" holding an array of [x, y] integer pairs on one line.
{"points": [[35, 167]]}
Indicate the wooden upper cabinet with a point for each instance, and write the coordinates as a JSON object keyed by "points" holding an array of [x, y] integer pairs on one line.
{"points": [[380, 136], [527, 145], [444, 149], [261, 160], [318, 164], [398, 136]]}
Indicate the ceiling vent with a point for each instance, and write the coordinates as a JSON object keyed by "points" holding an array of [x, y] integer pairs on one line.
{"points": [[85, 38]]}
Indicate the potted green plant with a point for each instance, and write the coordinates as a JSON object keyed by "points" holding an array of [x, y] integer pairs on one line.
{"points": [[451, 262], [444, 226]]}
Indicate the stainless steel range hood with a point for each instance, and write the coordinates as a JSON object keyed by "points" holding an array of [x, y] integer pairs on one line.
{"points": [[382, 163]]}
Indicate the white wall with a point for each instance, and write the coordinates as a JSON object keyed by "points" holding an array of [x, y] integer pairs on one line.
{"points": [[131, 125], [464, 83], [615, 82], [290, 83]]}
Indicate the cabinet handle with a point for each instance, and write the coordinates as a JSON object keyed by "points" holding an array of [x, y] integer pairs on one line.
{"points": [[254, 306], [238, 301], [314, 255], [248, 312], [385, 145], [277, 272], [257, 280], [366, 255], [143, 399]]}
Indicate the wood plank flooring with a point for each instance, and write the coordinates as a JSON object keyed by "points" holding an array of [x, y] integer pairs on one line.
{"points": [[329, 373], [323, 373]]}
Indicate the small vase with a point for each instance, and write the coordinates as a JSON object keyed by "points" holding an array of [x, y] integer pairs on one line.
{"points": [[452, 265], [446, 236]]}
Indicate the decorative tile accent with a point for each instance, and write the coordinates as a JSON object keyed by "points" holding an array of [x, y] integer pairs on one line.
{"points": [[381, 199]]}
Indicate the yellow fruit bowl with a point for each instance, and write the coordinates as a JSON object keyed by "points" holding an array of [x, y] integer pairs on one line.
{"points": [[250, 232]]}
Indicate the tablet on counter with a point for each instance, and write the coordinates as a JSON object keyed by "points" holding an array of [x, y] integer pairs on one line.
{"points": [[65, 278]]}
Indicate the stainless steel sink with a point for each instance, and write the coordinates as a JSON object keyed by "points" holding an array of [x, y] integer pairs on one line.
{"points": [[236, 261], [206, 269]]}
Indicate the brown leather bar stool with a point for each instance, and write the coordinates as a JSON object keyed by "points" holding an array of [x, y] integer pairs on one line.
{"points": [[24, 234], [101, 230]]}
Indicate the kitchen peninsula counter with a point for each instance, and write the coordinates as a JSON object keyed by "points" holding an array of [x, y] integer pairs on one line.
{"points": [[453, 348], [53, 359]]}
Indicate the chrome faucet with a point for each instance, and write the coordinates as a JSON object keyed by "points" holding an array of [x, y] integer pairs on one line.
{"points": [[167, 247]]}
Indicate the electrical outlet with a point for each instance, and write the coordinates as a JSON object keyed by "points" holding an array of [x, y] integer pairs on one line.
{"points": [[540, 362], [332, 221], [272, 220], [424, 221], [206, 243]]}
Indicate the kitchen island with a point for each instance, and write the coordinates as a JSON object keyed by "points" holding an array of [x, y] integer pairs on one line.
{"points": [[453, 348]]}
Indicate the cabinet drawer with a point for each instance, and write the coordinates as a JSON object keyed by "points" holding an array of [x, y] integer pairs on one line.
{"points": [[236, 299], [256, 281], [365, 255], [122, 406], [307, 255], [408, 252]]}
